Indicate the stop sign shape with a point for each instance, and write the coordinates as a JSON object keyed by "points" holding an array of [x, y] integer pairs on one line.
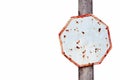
{"points": [[85, 40]]}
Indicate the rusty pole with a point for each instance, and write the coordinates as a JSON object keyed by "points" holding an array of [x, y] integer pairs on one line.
{"points": [[85, 73]]}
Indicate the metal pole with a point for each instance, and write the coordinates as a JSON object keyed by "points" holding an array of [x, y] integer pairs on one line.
{"points": [[85, 7], [85, 73]]}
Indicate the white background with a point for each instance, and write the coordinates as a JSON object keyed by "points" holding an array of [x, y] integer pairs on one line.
{"points": [[29, 44]]}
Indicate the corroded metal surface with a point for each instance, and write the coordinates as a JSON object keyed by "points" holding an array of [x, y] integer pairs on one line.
{"points": [[85, 40]]}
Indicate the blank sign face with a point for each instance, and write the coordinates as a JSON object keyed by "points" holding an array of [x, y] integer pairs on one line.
{"points": [[85, 40]]}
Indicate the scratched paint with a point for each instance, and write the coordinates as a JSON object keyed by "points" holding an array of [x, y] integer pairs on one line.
{"points": [[85, 40]]}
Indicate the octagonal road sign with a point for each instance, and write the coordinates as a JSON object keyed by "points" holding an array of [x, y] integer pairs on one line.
{"points": [[85, 40]]}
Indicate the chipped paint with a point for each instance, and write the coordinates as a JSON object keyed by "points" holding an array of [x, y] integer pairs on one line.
{"points": [[85, 40]]}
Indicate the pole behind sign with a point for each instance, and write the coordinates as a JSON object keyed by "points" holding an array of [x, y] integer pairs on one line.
{"points": [[85, 7]]}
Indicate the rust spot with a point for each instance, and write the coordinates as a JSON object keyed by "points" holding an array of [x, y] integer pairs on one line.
{"points": [[64, 36], [106, 28], [78, 42], [70, 59], [83, 32], [67, 30], [83, 55], [65, 56], [107, 45], [63, 52], [84, 52], [77, 47], [98, 23], [96, 50], [70, 49], [90, 64], [105, 55], [99, 29], [77, 22]]}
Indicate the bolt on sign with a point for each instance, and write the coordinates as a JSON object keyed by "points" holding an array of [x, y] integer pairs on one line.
{"points": [[85, 40]]}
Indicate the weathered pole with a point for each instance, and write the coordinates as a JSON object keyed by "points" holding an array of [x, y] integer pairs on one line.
{"points": [[85, 7], [85, 73]]}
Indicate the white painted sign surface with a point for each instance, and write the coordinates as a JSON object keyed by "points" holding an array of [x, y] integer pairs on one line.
{"points": [[85, 40]]}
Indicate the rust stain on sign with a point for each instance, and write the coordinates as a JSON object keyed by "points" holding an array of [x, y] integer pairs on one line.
{"points": [[85, 40]]}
